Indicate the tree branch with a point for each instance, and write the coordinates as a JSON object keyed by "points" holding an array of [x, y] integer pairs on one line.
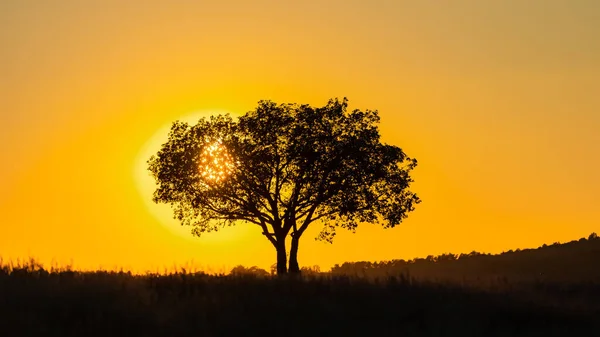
{"points": [[269, 236]]}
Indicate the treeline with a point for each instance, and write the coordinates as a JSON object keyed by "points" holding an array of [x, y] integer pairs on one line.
{"points": [[575, 261]]}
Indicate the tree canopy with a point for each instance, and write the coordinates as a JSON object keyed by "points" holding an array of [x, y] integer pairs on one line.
{"points": [[284, 167]]}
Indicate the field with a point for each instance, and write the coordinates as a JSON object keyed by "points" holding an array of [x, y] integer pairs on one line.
{"points": [[395, 298]]}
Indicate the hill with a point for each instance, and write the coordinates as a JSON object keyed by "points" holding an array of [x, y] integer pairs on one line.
{"points": [[572, 262]]}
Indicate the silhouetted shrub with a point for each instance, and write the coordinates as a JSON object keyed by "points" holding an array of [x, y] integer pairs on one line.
{"points": [[253, 271]]}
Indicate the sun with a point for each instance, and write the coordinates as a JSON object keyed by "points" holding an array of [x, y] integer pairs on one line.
{"points": [[216, 163], [218, 166]]}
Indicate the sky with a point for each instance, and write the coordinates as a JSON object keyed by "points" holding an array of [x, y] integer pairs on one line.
{"points": [[497, 100]]}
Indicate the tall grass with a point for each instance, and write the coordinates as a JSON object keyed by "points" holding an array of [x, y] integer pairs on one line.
{"points": [[65, 302]]}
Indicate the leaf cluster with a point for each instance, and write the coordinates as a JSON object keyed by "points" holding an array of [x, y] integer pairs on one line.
{"points": [[291, 165]]}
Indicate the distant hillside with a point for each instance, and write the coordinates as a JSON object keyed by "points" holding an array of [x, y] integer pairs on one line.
{"points": [[575, 261]]}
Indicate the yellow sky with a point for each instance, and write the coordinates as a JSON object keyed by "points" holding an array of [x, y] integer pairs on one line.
{"points": [[498, 100]]}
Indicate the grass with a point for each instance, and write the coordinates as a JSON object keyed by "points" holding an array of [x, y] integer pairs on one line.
{"points": [[64, 302]]}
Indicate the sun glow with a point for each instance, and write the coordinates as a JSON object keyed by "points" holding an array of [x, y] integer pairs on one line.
{"points": [[216, 163], [163, 212]]}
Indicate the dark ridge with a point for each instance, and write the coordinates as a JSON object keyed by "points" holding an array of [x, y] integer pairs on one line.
{"points": [[571, 262]]}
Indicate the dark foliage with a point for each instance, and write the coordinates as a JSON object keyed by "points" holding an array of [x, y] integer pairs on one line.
{"points": [[253, 271], [284, 167], [575, 261]]}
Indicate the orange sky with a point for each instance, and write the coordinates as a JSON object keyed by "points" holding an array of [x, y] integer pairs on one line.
{"points": [[498, 100]]}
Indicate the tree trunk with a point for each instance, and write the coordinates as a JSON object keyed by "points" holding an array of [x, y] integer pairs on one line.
{"points": [[281, 258], [294, 266]]}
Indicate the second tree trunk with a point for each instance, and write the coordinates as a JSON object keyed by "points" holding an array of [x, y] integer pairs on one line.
{"points": [[294, 266]]}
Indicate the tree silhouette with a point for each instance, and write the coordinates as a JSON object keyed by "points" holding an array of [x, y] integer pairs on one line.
{"points": [[282, 168], [243, 271]]}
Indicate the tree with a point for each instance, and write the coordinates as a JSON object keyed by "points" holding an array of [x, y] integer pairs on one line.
{"points": [[282, 168]]}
